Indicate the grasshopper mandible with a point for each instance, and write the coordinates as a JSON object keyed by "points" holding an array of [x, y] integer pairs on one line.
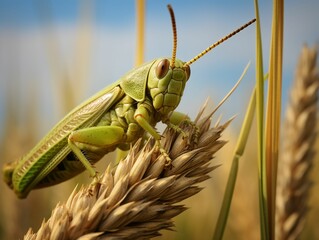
{"points": [[113, 118]]}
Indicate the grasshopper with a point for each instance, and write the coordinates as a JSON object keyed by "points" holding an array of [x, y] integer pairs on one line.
{"points": [[115, 117]]}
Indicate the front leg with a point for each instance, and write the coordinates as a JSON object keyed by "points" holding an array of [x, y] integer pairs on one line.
{"points": [[176, 118], [142, 117]]}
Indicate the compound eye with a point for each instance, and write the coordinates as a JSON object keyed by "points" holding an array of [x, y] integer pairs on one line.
{"points": [[162, 68], [187, 70]]}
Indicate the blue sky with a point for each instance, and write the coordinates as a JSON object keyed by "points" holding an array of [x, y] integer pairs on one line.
{"points": [[24, 56]]}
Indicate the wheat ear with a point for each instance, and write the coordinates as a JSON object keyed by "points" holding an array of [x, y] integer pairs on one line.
{"points": [[298, 151], [140, 196]]}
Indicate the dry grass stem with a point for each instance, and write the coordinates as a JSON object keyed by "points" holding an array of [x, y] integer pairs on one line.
{"points": [[298, 150], [139, 197]]}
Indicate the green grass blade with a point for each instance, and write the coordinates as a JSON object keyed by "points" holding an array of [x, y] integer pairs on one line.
{"points": [[243, 136], [260, 134]]}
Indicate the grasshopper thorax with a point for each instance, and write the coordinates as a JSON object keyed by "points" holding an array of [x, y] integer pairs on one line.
{"points": [[166, 84]]}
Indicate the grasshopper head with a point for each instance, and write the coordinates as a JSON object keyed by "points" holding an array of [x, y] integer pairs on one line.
{"points": [[166, 83], [167, 77]]}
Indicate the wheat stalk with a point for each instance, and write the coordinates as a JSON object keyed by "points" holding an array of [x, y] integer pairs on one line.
{"points": [[140, 196], [298, 152]]}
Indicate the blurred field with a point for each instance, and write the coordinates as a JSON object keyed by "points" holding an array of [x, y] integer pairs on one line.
{"points": [[33, 103]]}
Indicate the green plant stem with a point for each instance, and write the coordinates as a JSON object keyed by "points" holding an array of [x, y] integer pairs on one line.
{"points": [[260, 130], [239, 150]]}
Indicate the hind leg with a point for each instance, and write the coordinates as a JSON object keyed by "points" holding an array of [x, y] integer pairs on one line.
{"points": [[94, 139]]}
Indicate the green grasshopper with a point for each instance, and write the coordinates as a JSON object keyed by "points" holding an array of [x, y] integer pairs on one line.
{"points": [[115, 117]]}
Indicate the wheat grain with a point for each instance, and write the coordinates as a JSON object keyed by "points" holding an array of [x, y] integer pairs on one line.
{"points": [[140, 196], [297, 154]]}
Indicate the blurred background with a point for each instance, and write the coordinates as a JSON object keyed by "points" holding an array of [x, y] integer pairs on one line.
{"points": [[56, 54]]}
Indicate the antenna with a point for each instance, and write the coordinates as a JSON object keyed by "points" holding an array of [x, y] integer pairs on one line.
{"points": [[171, 12], [219, 42]]}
